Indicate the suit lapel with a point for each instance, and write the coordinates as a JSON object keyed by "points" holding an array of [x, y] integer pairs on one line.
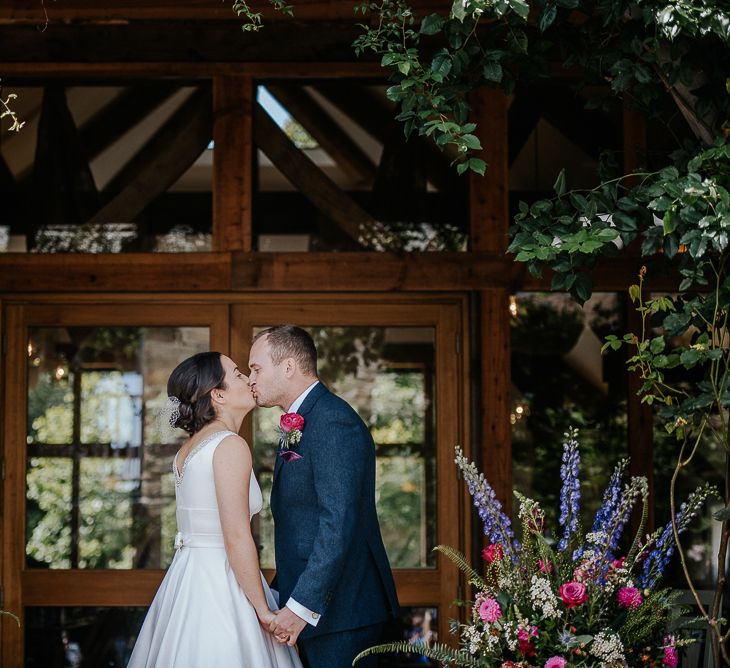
{"points": [[312, 398]]}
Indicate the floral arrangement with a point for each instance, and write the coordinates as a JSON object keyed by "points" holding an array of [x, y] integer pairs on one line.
{"points": [[573, 601], [290, 433]]}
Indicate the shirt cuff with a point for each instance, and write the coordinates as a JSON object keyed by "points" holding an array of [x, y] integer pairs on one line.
{"points": [[305, 613]]}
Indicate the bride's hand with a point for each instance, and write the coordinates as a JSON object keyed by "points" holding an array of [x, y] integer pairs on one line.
{"points": [[265, 617]]}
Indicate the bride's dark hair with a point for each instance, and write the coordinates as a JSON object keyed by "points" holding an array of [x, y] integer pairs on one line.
{"points": [[191, 382]]}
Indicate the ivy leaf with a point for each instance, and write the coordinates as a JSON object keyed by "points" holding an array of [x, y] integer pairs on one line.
{"points": [[559, 185], [520, 7], [492, 71], [471, 142], [689, 358], [477, 165], [547, 17], [582, 288], [458, 10], [579, 202], [432, 24]]}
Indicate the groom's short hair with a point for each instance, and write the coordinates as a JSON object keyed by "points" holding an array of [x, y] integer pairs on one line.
{"points": [[290, 341]]}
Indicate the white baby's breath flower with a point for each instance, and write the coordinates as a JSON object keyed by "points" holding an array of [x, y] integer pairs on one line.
{"points": [[596, 537], [473, 638], [543, 597], [510, 635], [608, 648]]}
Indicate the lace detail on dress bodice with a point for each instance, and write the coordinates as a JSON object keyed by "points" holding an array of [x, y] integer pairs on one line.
{"points": [[181, 472]]}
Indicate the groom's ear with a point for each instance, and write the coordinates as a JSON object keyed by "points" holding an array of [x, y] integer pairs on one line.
{"points": [[290, 367]]}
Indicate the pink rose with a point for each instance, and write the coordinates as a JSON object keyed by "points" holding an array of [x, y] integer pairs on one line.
{"points": [[629, 597], [290, 421], [490, 611], [617, 563], [545, 567], [573, 594], [492, 553], [555, 662]]}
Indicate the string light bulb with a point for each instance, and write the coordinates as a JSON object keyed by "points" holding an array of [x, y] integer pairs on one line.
{"points": [[513, 306]]}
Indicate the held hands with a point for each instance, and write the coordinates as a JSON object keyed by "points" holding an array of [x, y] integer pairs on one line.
{"points": [[266, 617], [286, 626]]}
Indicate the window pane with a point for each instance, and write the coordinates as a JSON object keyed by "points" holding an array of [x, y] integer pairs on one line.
{"points": [[387, 375], [63, 637], [100, 491], [347, 131], [116, 171], [418, 626], [560, 379]]}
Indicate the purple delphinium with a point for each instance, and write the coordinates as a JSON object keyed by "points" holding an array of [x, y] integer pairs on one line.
{"points": [[497, 526], [664, 547], [570, 491], [614, 524], [611, 497]]}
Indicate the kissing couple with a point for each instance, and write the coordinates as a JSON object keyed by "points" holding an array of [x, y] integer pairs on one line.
{"points": [[214, 609]]}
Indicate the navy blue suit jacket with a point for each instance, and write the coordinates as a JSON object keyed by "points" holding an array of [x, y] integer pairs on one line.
{"points": [[329, 552]]}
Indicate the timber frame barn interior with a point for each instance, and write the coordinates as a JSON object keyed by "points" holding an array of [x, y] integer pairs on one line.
{"points": [[155, 113]]}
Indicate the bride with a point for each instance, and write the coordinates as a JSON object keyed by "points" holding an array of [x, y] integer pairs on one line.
{"points": [[213, 605]]}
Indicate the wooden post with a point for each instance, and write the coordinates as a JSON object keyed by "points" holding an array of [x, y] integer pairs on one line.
{"points": [[640, 416], [489, 194], [233, 100], [489, 222]]}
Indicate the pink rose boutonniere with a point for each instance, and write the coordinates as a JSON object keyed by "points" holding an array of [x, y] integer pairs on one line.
{"points": [[290, 433]]}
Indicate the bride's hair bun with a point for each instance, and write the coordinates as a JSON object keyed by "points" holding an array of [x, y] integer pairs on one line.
{"points": [[191, 382]]}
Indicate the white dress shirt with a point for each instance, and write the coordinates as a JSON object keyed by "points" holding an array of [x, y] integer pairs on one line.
{"points": [[297, 608]]}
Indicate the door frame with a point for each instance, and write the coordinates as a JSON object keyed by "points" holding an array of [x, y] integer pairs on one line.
{"points": [[417, 587], [230, 318]]}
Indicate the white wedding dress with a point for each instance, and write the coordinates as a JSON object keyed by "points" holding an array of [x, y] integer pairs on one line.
{"points": [[200, 617]]}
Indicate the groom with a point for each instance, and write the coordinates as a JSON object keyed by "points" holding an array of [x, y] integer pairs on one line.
{"points": [[332, 572]]}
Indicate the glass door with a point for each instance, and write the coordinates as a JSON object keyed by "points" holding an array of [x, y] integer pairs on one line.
{"points": [[89, 507], [399, 364]]}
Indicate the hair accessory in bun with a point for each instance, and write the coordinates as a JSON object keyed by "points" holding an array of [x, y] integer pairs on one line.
{"points": [[167, 420]]}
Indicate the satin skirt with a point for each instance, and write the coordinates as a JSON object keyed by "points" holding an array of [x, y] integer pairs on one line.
{"points": [[200, 618]]}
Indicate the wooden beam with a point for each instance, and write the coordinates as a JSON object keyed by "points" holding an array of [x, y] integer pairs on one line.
{"points": [[233, 100], [373, 116], [310, 180], [361, 270], [120, 115], [289, 272], [489, 194], [61, 172], [178, 40], [29, 71], [76, 272], [328, 134], [21, 11], [161, 162]]}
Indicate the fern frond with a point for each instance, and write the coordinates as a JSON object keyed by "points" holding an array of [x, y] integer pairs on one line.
{"points": [[460, 560], [444, 654]]}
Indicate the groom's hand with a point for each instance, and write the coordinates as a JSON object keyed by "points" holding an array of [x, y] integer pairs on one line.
{"points": [[286, 623]]}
